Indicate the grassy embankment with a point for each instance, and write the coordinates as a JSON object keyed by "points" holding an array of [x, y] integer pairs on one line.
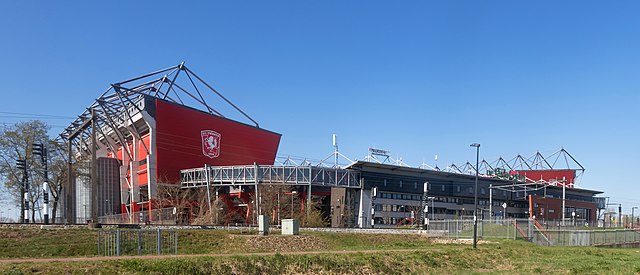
{"points": [[501, 256], [38, 243]]}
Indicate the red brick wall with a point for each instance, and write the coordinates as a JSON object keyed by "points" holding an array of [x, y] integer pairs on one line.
{"points": [[556, 204]]}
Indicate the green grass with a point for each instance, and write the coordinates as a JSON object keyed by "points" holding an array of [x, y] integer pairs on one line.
{"points": [[505, 257], [41, 243], [499, 256]]}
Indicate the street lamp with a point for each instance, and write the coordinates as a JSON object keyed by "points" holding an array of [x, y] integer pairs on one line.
{"points": [[433, 210], [475, 197], [632, 218]]}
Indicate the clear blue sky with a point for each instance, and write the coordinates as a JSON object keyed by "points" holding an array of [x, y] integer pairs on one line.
{"points": [[417, 78]]}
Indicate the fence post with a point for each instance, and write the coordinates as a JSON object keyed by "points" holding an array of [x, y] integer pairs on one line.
{"points": [[515, 229], [139, 242], [118, 242], [175, 239], [159, 241], [98, 242]]}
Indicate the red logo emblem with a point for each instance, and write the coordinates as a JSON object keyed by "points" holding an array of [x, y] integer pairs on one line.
{"points": [[210, 143]]}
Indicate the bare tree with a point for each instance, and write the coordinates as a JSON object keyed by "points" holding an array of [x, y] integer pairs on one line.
{"points": [[16, 143]]}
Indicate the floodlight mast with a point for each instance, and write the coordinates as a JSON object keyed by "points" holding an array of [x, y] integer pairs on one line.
{"points": [[475, 200]]}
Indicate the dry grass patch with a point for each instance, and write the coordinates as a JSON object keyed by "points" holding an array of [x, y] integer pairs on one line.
{"points": [[286, 243]]}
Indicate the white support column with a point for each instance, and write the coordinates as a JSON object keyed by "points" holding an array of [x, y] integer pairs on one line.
{"points": [[563, 198], [206, 176], [125, 186], [133, 178], [151, 157], [364, 209]]}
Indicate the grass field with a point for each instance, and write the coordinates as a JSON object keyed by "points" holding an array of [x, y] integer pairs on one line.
{"points": [[498, 256]]}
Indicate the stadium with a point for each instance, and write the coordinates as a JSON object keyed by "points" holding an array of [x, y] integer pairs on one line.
{"points": [[157, 131]]}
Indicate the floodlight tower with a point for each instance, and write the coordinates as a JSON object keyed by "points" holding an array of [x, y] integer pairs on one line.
{"points": [[475, 200]]}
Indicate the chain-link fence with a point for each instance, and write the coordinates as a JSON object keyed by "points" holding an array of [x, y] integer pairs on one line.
{"points": [[461, 229], [586, 237], [165, 216], [117, 242]]}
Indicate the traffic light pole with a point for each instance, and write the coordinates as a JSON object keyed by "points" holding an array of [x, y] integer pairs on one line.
{"points": [[24, 190], [41, 150], [25, 183], [45, 185]]}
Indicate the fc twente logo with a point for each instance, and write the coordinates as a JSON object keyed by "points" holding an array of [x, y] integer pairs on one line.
{"points": [[210, 143]]}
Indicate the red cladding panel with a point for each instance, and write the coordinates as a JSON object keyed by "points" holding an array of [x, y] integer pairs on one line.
{"points": [[550, 175], [187, 138]]}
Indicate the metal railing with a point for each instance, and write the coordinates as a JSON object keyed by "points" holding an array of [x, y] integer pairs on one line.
{"points": [[118, 242], [462, 229], [164, 216], [589, 237]]}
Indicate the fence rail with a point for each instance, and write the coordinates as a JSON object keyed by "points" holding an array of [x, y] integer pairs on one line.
{"points": [[588, 237], [164, 216], [461, 229], [532, 230], [118, 242]]}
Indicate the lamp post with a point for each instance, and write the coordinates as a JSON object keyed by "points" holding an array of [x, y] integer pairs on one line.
{"points": [[632, 218], [433, 210], [293, 193], [475, 197]]}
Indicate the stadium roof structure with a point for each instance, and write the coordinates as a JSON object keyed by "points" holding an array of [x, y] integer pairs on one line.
{"points": [[114, 110], [498, 183]]}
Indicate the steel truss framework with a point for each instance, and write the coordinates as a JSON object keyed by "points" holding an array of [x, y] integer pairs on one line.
{"points": [[270, 174], [115, 109], [117, 118], [560, 160]]}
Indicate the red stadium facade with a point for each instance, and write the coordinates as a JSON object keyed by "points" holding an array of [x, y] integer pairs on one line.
{"points": [[179, 137], [149, 125], [552, 177]]}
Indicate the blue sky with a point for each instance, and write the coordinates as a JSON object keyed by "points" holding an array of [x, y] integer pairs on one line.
{"points": [[417, 78]]}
